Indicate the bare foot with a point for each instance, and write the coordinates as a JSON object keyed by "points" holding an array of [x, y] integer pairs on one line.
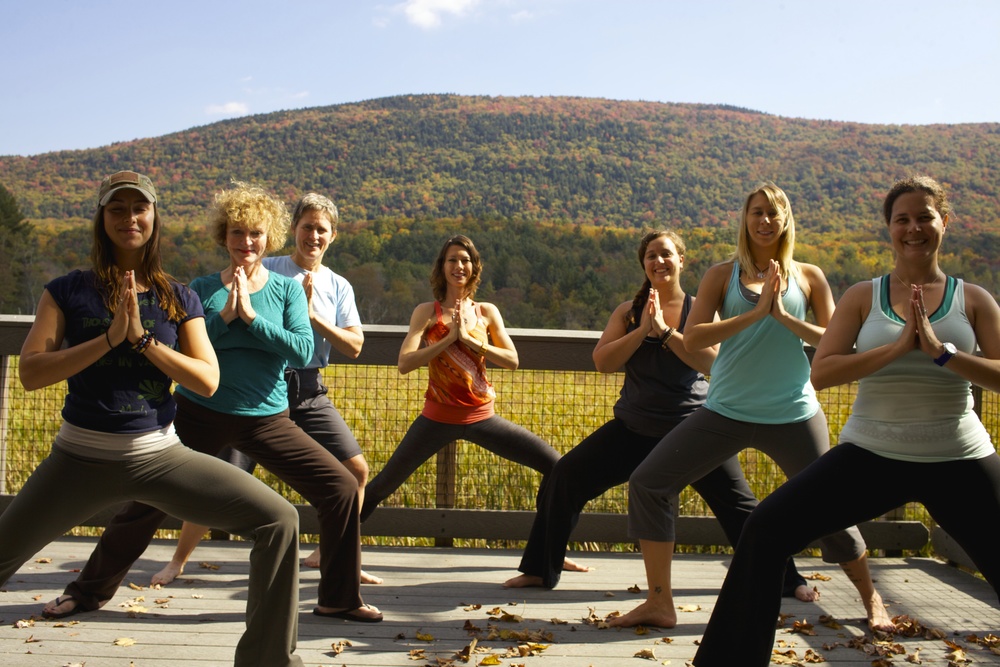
{"points": [[569, 565], [878, 617], [370, 578], [806, 594], [647, 614], [312, 560], [167, 575], [524, 581]]}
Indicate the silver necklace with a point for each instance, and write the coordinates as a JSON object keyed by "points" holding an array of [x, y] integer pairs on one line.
{"points": [[907, 285]]}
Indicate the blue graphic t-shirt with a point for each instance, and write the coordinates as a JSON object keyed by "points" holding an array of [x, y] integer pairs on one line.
{"points": [[122, 392]]}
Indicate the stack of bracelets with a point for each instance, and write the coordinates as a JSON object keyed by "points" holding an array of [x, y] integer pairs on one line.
{"points": [[144, 342]]}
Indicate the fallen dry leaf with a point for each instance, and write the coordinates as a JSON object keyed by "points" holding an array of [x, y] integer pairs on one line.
{"points": [[490, 660], [45, 559], [788, 657], [608, 594], [417, 654], [466, 653], [208, 566], [812, 657], [634, 589], [830, 622], [646, 653], [424, 637], [558, 621], [338, 647], [136, 587], [803, 627], [816, 576], [124, 641], [689, 607]]}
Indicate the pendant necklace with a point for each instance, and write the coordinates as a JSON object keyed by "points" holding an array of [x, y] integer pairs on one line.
{"points": [[760, 272], [908, 285]]}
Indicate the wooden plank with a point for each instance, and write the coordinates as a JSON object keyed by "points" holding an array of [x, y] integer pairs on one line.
{"points": [[435, 592], [946, 547], [516, 525], [592, 527]]}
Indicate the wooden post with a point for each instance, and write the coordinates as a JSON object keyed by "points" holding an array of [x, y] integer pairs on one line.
{"points": [[447, 472], [4, 400]]}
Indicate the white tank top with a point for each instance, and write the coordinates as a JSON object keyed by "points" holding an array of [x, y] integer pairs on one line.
{"points": [[913, 409]]}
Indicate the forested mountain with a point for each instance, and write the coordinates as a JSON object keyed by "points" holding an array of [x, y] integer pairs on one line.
{"points": [[553, 190]]}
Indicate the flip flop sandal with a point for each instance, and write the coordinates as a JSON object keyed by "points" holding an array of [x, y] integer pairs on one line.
{"points": [[350, 615], [59, 600]]}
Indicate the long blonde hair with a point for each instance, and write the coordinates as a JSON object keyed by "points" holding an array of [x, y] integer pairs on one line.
{"points": [[786, 241]]}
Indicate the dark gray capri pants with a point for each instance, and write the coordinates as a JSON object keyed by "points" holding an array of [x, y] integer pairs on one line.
{"points": [[66, 490], [705, 440]]}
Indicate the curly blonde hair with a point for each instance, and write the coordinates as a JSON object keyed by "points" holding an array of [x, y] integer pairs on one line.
{"points": [[248, 206]]}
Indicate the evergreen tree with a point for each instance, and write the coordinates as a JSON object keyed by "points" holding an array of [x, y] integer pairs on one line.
{"points": [[16, 253]]}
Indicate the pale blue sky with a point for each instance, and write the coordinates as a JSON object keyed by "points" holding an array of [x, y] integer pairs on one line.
{"points": [[86, 73]]}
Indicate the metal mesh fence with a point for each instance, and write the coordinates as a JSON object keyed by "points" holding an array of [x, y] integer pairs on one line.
{"points": [[379, 404]]}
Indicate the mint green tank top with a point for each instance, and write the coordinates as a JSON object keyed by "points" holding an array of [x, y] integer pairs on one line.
{"points": [[762, 373]]}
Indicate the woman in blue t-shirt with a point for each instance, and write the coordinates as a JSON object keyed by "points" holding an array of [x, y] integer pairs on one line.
{"points": [[258, 323], [336, 324], [129, 330], [754, 307]]}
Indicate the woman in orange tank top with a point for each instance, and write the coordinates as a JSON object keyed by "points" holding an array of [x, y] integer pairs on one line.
{"points": [[454, 336]]}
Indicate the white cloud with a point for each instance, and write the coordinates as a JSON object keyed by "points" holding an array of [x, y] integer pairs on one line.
{"points": [[523, 15], [427, 13], [228, 109]]}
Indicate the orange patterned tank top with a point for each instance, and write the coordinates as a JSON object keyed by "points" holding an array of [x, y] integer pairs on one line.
{"points": [[457, 391]]}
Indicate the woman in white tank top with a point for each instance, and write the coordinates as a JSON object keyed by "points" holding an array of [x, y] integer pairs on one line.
{"points": [[912, 435]]}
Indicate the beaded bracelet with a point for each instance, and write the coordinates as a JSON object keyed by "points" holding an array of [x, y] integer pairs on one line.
{"points": [[666, 337], [144, 342]]}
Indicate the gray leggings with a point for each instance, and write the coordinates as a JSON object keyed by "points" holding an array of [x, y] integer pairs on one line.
{"points": [[705, 440], [65, 490], [426, 437]]}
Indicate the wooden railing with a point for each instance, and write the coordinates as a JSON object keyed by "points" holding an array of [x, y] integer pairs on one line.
{"points": [[539, 350]]}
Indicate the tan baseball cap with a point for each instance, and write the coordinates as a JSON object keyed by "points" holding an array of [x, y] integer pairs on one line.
{"points": [[123, 180]]}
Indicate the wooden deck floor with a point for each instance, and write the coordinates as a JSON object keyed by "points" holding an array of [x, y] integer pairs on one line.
{"points": [[436, 592]]}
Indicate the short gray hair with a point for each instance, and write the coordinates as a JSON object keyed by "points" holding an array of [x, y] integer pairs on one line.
{"points": [[316, 202]]}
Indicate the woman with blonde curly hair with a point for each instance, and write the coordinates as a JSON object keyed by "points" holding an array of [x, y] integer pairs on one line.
{"points": [[336, 325], [258, 323]]}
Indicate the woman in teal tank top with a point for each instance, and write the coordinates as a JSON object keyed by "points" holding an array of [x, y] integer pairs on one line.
{"points": [[754, 307], [909, 338]]}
